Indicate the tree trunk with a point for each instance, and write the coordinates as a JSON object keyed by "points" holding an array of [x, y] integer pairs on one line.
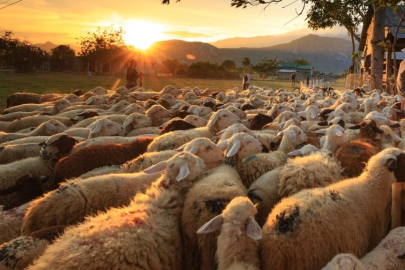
{"points": [[353, 67], [377, 57]]}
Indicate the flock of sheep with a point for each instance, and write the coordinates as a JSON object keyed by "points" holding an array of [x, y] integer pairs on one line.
{"points": [[195, 179]]}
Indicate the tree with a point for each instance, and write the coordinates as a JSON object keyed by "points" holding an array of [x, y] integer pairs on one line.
{"points": [[302, 61], [63, 56], [171, 65], [103, 47], [265, 66], [229, 65], [246, 62]]}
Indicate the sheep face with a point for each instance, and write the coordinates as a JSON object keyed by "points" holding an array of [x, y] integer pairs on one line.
{"points": [[57, 146], [94, 100], [196, 120], [206, 150], [99, 91], [235, 129], [72, 98], [137, 120], [170, 89], [169, 98], [238, 112], [387, 158], [242, 144], [222, 119], [62, 104], [158, 111], [134, 108], [54, 126], [294, 134], [104, 127]]}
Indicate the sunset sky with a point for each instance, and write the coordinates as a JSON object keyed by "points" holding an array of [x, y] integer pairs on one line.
{"points": [[146, 21]]}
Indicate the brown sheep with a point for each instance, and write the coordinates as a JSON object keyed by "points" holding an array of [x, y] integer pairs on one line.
{"points": [[95, 156]]}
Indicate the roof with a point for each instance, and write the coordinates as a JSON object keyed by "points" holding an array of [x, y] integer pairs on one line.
{"points": [[287, 70], [294, 65], [398, 56], [392, 19]]}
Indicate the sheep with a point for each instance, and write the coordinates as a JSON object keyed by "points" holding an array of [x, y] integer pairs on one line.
{"points": [[28, 107], [52, 150], [11, 222], [27, 187], [14, 152], [389, 254], [363, 203], [252, 167], [35, 121], [210, 194], [89, 158], [16, 115], [260, 120], [30, 140], [117, 118], [79, 198], [146, 160], [47, 128], [100, 127], [169, 141], [20, 252], [389, 138], [176, 124], [196, 120], [264, 193], [150, 224], [133, 108], [237, 241], [157, 113], [106, 140], [19, 98], [334, 138], [308, 172]]}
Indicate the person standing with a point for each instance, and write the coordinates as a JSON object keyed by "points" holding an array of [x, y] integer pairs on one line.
{"points": [[401, 85], [308, 77], [89, 74], [293, 75], [132, 74], [246, 79]]}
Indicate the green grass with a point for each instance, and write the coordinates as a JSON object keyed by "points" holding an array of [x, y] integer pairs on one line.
{"points": [[60, 82]]}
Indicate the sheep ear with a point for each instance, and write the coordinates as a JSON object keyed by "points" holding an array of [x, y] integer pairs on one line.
{"points": [[213, 121], [396, 138], [96, 128], [90, 100], [313, 115], [339, 133], [223, 144], [320, 131], [211, 226], [391, 164], [222, 131], [184, 172], [355, 127], [156, 168], [181, 148], [127, 122], [253, 229], [292, 136], [295, 153], [235, 148], [377, 130], [396, 125], [193, 149]]}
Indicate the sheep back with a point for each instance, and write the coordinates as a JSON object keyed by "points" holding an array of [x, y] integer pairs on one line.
{"points": [[22, 98], [308, 172], [95, 156], [11, 222]]}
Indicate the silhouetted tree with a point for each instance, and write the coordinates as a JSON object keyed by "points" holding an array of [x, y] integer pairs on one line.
{"points": [[63, 57]]}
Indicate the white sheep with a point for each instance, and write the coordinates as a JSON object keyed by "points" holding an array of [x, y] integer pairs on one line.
{"points": [[14, 152], [146, 234], [351, 214], [47, 128], [196, 120], [158, 113], [387, 255], [237, 241], [79, 198], [171, 140], [11, 222], [211, 193], [101, 127]]}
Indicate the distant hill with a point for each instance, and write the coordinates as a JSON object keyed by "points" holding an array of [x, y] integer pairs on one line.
{"points": [[326, 54], [271, 40], [48, 46]]}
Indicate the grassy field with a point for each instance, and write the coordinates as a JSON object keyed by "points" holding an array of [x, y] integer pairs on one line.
{"points": [[58, 82]]}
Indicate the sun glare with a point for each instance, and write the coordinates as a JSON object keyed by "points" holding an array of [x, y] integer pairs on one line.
{"points": [[143, 34]]}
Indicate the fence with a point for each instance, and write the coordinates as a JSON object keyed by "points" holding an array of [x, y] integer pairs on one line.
{"points": [[313, 81], [358, 80]]}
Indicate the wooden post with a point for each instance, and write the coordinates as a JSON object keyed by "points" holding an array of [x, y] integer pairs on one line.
{"points": [[397, 189]]}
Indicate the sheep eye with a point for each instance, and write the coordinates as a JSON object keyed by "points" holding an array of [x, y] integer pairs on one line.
{"points": [[109, 125], [208, 148], [171, 166], [249, 141], [56, 124]]}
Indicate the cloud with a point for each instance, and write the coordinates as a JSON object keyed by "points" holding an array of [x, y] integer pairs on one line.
{"points": [[185, 34]]}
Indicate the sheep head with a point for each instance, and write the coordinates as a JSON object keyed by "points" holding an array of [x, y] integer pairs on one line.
{"points": [[221, 120], [196, 120], [242, 145], [239, 211], [57, 146]]}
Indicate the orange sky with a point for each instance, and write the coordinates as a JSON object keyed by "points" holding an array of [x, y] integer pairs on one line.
{"points": [[62, 21]]}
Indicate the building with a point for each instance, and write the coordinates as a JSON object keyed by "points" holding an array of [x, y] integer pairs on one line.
{"points": [[284, 70]]}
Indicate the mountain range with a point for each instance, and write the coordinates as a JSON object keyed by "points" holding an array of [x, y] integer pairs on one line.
{"points": [[326, 54]]}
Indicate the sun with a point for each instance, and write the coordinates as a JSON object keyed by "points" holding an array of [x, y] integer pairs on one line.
{"points": [[143, 34]]}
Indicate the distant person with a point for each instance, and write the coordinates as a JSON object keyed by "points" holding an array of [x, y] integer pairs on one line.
{"points": [[246, 79], [293, 75], [89, 75], [308, 76], [401, 85], [132, 74]]}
